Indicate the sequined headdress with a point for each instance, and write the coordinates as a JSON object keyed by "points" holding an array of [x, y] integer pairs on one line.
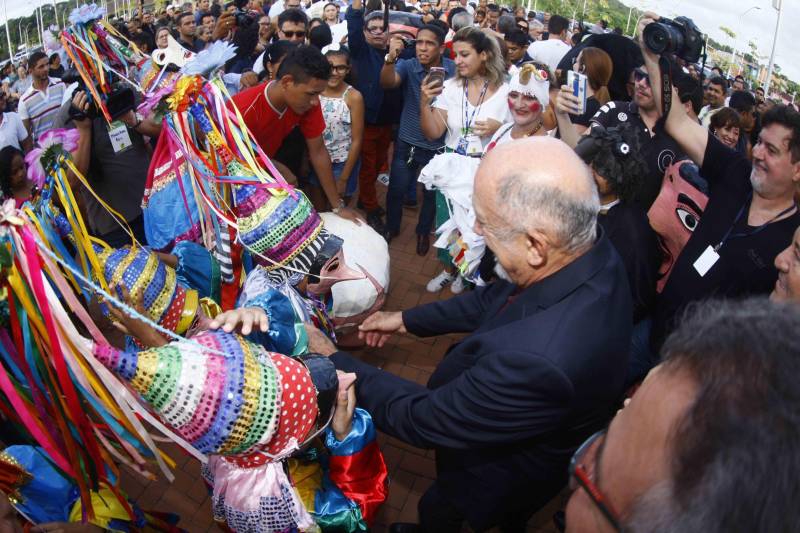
{"points": [[141, 273], [246, 401]]}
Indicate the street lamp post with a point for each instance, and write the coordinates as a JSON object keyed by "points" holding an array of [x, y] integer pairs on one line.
{"points": [[8, 32], [733, 57], [777, 5]]}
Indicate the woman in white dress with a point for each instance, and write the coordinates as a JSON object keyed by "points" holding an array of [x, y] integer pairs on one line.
{"points": [[469, 109]]}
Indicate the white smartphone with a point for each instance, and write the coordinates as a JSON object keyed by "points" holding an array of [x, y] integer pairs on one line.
{"points": [[577, 82]]}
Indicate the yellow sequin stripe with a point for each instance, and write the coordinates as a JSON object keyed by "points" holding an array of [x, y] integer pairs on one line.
{"points": [[261, 213], [188, 312], [146, 367], [250, 396]]}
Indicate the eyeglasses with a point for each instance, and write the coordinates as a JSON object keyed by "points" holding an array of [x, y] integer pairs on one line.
{"points": [[291, 34], [582, 471], [341, 69], [638, 75]]}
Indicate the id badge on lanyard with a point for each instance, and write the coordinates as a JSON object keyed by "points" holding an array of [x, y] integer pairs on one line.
{"points": [[119, 136]]}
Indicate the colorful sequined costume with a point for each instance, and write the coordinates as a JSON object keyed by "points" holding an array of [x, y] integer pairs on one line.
{"points": [[42, 494]]}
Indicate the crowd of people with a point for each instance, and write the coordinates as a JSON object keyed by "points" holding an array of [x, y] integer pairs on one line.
{"points": [[627, 272]]}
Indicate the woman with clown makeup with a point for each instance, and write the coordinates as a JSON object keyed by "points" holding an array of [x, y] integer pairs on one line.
{"points": [[528, 98]]}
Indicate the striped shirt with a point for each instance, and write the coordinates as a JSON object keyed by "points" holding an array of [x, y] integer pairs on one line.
{"points": [[41, 107]]}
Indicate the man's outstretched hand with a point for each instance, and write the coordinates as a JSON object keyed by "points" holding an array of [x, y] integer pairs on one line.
{"points": [[318, 342], [378, 327]]}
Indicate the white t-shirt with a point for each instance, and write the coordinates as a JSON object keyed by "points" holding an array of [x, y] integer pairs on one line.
{"points": [[453, 101], [12, 131], [548, 52]]}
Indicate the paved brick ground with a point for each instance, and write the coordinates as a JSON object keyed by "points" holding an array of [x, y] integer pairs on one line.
{"points": [[411, 469]]}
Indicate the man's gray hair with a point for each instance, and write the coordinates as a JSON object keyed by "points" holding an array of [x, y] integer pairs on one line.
{"points": [[462, 20], [506, 23], [568, 218]]}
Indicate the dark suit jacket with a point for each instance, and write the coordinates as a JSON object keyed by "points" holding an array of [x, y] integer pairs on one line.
{"points": [[510, 403]]}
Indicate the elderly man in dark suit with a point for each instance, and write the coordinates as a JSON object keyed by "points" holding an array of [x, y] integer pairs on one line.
{"points": [[544, 362]]}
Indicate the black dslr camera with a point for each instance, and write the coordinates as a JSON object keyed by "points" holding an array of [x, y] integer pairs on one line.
{"points": [[119, 101], [680, 37], [243, 17]]}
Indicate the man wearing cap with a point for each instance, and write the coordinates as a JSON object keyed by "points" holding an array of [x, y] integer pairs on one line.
{"points": [[509, 404]]}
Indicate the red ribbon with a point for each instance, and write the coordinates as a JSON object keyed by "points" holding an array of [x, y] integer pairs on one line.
{"points": [[363, 478]]}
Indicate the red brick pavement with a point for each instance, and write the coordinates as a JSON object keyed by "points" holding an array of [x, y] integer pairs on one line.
{"points": [[411, 469]]}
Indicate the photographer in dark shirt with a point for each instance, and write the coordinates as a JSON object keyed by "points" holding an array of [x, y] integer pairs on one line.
{"points": [[751, 213]]}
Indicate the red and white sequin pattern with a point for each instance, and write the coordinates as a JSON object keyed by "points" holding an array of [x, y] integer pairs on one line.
{"points": [[298, 404]]}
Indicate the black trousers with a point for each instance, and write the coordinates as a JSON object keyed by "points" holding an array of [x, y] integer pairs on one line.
{"points": [[438, 515]]}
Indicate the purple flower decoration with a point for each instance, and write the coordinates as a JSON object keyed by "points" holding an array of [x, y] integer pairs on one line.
{"points": [[51, 145], [153, 99]]}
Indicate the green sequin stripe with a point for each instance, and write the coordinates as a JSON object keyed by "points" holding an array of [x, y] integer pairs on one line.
{"points": [[165, 382], [267, 404], [278, 233], [216, 281]]}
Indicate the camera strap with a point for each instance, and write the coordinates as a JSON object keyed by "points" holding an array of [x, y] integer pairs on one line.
{"points": [[666, 84]]}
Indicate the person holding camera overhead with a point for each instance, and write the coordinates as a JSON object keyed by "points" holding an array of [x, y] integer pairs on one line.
{"points": [[469, 109], [751, 213], [658, 148], [114, 158], [412, 150]]}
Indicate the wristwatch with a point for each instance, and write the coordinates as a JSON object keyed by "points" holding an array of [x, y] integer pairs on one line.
{"points": [[339, 207], [388, 59]]}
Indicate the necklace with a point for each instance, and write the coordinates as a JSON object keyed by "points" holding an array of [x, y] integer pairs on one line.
{"points": [[533, 131]]}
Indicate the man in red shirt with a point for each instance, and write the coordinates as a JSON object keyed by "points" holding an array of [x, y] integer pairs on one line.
{"points": [[272, 109]]}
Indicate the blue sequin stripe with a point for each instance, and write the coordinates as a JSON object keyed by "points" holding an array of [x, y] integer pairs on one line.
{"points": [[126, 364], [154, 288], [230, 402]]}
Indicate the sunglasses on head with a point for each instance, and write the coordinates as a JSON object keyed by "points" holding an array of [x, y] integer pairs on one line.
{"points": [[290, 34]]}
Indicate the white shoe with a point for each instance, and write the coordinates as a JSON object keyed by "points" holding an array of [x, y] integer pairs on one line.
{"points": [[440, 282], [458, 285]]}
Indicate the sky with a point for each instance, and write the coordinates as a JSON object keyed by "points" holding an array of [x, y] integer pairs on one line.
{"points": [[757, 25]]}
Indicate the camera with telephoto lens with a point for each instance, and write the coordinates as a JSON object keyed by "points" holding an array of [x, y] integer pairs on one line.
{"points": [[120, 100], [680, 37], [243, 18]]}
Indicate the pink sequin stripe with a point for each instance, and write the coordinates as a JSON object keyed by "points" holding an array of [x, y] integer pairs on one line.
{"points": [[296, 237], [107, 355], [212, 393], [259, 197]]}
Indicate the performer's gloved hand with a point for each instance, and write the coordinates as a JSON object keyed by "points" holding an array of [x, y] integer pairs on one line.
{"points": [[244, 319], [345, 405]]}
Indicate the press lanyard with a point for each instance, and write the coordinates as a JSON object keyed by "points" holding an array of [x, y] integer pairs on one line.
{"points": [[465, 105], [753, 232]]}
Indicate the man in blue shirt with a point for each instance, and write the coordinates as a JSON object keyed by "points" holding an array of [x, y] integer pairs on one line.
{"points": [[367, 41], [412, 150]]}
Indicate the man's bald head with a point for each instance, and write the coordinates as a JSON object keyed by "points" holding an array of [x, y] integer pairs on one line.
{"points": [[538, 184]]}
